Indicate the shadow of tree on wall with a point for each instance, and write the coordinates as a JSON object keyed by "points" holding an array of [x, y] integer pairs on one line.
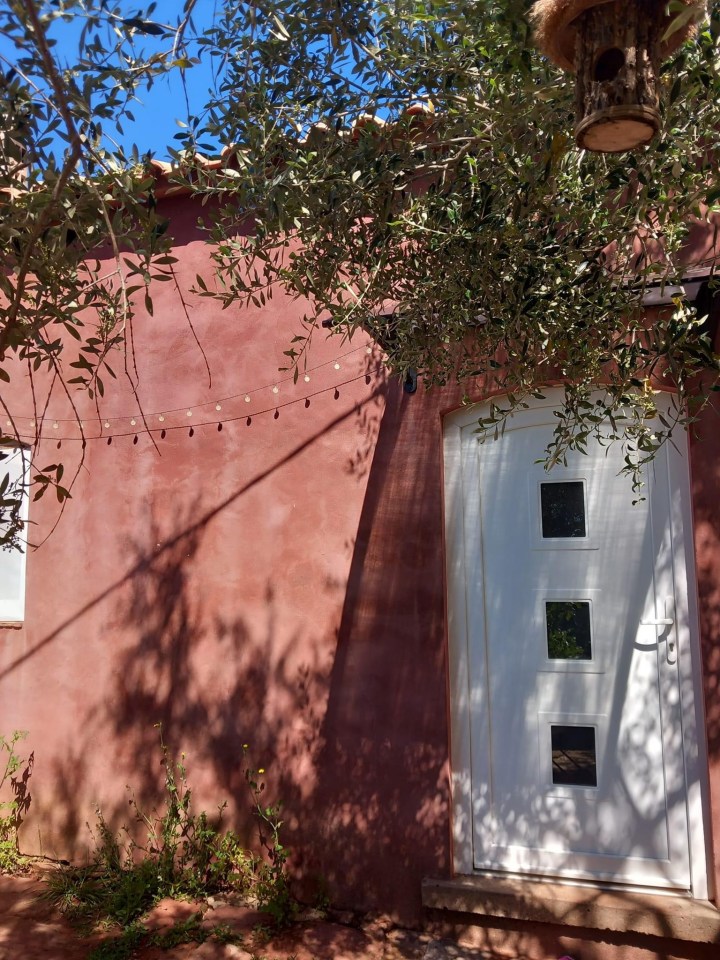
{"points": [[206, 679], [384, 793], [705, 459], [347, 719], [707, 524]]}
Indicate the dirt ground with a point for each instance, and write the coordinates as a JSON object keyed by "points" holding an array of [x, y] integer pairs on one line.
{"points": [[32, 929]]}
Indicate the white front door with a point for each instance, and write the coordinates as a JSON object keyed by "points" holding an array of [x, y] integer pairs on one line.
{"points": [[579, 678]]}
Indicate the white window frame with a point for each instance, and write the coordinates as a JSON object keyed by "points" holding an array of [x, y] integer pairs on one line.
{"points": [[12, 609]]}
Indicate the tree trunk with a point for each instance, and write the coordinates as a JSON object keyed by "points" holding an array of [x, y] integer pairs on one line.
{"points": [[617, 59]]}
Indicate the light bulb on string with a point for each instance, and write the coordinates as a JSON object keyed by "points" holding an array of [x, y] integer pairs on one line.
{"points": [[247, 398], [161, 418], [106, 425], [55, 425], [218, 406], [189, 413], [337, 366], [368, 350], [133, 422], [306, 378], [276, 389]]}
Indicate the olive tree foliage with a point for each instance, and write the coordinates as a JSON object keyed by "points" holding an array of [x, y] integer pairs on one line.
{"points": [[68, 193], [407, 168], [472, 239]]}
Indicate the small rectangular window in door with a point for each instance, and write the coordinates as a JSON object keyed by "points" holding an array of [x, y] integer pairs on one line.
{"points": [[562, 510], [574, 758], [567, 626]]}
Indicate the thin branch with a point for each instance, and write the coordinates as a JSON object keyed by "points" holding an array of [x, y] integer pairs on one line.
{"points": [[190, 324], [48, 213], [182, 27]]}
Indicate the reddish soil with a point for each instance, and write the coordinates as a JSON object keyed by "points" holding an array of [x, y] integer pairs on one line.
{"points": [[33, 929]]}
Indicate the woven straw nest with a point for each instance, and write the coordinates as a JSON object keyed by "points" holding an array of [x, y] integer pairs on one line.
{"points": [[555, 27]]}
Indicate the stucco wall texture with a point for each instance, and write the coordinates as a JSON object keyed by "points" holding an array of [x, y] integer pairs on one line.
{"points": [[278, 582]]}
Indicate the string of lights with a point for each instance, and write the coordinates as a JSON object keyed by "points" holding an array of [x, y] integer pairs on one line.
{"points": [[163, 427], [143, 423]]}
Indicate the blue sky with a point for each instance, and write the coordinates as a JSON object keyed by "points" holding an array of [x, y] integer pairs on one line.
{"points": [[160, 108], [160, 112]]}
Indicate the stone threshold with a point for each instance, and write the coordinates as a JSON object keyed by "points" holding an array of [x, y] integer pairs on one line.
{"points": [[674, 917]]}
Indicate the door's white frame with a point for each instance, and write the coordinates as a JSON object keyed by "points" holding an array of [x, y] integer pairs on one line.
{"points": [[468, 713]]}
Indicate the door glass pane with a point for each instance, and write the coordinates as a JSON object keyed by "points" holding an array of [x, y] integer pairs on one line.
{"points": [[568, 630], [573, 756], [562, 509]]}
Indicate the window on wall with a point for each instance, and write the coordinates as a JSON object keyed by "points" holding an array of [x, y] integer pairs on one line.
{"points": [[14, 476]]}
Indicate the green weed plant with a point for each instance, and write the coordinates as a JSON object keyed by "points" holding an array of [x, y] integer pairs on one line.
{"points": [[14, 772], [184, 855], [271, 887]]}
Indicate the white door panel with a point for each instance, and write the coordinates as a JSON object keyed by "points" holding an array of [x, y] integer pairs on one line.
{"points": [[576, 721]]}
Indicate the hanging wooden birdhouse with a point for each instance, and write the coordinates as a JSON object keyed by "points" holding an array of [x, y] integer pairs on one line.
{"points": [[615, 49]]}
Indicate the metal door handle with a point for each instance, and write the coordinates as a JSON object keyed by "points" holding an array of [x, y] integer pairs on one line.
{"points": [[667, 621]]}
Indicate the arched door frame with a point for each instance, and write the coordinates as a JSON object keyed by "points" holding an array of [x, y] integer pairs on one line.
{"points": [[457, 435]]}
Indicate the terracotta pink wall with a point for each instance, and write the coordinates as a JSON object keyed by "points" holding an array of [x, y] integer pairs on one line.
{"points": [[277, 583], [705, 467]]}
